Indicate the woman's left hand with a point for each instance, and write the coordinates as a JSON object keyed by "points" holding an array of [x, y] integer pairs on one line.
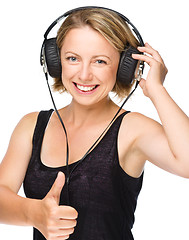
{"points": [[157, 72]]}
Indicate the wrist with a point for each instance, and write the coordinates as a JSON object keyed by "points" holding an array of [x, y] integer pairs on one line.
{"points": [[156, 93], [32, 212]]}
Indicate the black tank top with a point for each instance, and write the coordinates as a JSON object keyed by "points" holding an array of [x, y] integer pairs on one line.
{"points": [[104, 195]]}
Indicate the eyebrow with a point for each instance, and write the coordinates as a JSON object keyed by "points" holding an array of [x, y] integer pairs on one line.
{"points": [[101, 55], [68, 52], [95, 56]]}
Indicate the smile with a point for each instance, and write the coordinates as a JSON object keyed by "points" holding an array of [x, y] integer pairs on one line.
{"points": [[88, 88]]}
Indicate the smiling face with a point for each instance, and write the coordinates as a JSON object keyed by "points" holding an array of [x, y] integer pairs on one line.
{"points": [[89, 65]]}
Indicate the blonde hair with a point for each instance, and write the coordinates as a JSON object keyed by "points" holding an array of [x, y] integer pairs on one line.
{"points": [[110, 25]]}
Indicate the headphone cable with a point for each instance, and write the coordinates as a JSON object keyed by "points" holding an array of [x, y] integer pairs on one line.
{"points": [[68, 174], [67, 146]]}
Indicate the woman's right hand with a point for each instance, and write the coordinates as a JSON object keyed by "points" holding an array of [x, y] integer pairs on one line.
{"points": [[54, 221]]}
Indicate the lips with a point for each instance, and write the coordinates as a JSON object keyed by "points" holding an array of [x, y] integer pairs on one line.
{"points": [[85, 88]]}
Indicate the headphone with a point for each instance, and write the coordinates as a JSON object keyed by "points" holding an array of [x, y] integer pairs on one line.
{"points": [[50, 53]]}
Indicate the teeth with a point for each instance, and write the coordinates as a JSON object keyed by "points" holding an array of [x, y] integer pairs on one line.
{"points": [[85, 89]]}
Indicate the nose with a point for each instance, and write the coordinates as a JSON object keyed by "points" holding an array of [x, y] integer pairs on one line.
{"points": [[85, 73]]}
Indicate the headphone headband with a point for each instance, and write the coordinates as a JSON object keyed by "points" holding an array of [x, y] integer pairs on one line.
{"points": [[50, 55], [87, 7]]}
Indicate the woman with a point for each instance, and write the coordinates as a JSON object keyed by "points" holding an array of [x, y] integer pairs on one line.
{"points": [[101, 190]]}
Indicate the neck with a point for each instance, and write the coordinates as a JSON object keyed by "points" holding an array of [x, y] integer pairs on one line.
{"points": [[79, 115]]}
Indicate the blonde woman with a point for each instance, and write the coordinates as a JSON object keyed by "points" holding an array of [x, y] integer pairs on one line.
{"points": [[99, 198]]}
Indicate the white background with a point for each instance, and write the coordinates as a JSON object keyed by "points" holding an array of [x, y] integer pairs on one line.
{"points": [[163, 208]]}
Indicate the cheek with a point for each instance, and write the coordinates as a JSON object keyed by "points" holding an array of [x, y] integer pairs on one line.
{"points": [[109, 80], [67, 73], [114, 73]]}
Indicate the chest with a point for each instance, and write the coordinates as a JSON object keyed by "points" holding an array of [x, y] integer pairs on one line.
{"points": [[54, 145]]}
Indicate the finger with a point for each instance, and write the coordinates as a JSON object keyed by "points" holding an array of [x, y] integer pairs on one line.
{"points": [[149, 60], [67, 212], [64, 232], [63, 238], [142, 83], [60, 233], [62, 223], [56, 188], [151, 51]]}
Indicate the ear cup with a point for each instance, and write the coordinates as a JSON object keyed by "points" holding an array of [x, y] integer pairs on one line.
{"points": [[127, 66], [52, 58]]}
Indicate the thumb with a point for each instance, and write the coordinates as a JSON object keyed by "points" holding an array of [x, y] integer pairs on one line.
{"points": [[56, 188], [144, 88], [142, 83]]}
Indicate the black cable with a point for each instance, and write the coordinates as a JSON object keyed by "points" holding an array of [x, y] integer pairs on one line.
{"points": [[109, 125], [67, 146]]}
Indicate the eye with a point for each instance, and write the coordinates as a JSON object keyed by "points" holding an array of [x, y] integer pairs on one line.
{"points": [[71, 59], [100, 61]]}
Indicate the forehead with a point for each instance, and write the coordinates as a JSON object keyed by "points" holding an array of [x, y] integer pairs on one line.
{"points": [[87, 39]]}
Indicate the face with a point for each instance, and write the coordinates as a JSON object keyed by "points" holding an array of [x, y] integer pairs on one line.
{"points": [[89, 65]]}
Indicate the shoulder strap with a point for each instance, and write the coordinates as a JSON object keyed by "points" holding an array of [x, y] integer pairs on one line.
{"points": [[42, 121]]}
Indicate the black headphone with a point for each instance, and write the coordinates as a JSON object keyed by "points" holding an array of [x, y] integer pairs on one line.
{"points": [[50, 53]]}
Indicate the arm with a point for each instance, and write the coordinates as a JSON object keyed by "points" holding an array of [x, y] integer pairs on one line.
{"points": [[13, 208], [166, 145], [46, 215]]}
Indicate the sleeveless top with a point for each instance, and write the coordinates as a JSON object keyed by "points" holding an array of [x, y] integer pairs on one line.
{"points": [[103, 194]]}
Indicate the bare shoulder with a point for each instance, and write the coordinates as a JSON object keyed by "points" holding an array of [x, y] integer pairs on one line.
{"points": [[133, 125], [24, 130], [135, 130], [139, 124], [138, 117], [27, 124], [140, 128], [18, 153], [29, 119]]}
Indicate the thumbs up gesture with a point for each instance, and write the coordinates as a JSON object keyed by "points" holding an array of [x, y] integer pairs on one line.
{"points": [[54, 221]]}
